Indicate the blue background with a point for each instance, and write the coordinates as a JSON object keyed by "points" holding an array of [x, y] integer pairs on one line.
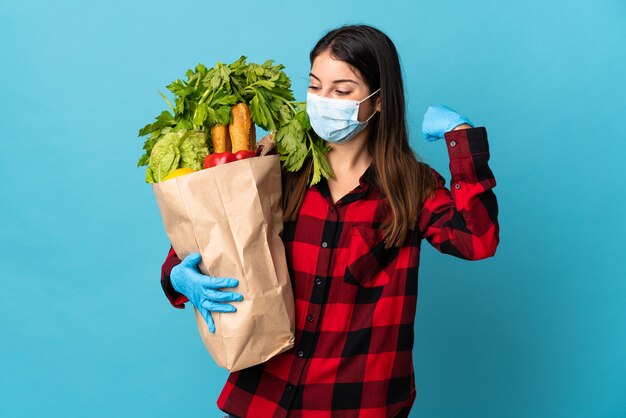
{"points": [[537, 331]]}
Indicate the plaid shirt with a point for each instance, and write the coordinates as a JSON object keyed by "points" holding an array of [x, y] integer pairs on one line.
{"points": [[355, 300]]}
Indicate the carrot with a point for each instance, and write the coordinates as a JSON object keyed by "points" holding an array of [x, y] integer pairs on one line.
{"points": [[241, 127], [220, 138], [252, 136]]}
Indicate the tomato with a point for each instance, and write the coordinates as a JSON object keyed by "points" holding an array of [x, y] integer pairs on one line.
{"points": [[219, 158], [243, 154]]}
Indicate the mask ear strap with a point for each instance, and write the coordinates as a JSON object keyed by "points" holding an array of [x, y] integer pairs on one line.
{"points": [[369, 96], [372, 115], [368, 119]]}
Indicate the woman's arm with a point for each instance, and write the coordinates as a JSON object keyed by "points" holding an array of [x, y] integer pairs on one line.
{"points": [[463, 221]]}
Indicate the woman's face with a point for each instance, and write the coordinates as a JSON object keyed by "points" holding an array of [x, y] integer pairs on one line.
{"points": [[337, 80]]}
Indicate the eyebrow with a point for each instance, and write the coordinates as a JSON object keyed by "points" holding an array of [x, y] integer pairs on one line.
{"points": [[344, 80]]}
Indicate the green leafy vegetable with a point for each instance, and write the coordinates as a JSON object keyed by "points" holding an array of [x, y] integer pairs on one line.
{"points": [[205, 99], [294, 151], [164, 157], [193, 149]]}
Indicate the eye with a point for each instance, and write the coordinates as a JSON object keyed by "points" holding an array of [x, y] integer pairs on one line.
{"points": [[342, 92], [313, 88]]}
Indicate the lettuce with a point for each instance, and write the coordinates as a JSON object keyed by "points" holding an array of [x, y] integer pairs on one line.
{"points": [[176, 150], [193, 150]]}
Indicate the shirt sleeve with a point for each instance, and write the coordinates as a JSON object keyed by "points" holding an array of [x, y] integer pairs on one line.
{"points": [[463, 221], [176, 299]]}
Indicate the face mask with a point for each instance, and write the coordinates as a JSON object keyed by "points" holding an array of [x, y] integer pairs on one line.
{"points": [[335, 120]]}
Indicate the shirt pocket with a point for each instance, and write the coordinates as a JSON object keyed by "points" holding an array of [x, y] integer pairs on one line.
{"points": [[369, 263]]}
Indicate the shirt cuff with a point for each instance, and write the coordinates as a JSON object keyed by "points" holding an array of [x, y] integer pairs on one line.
{"points": [[176, 299], [468, 141], [468, 150]]}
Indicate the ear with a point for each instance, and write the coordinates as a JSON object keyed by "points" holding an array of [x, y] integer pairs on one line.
{"points": [[377, 104]]}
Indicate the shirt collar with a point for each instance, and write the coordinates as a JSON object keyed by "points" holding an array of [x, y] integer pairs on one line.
{"points": [[368, 178], [366, 181]]}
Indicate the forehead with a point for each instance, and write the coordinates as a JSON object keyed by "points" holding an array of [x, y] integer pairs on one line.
{"points": [[328, 69]]}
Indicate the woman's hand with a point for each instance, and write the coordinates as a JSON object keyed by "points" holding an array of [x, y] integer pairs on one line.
{"points": [[441, 119], [202, 290]]}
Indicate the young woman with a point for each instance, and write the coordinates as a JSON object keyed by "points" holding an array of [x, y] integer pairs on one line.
{"points": [[353, 242]]}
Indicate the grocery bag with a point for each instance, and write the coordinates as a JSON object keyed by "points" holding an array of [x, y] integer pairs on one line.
{"points": [[231, 215]]}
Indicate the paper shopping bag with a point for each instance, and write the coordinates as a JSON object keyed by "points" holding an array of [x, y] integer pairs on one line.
{"points": [[231, 215]]}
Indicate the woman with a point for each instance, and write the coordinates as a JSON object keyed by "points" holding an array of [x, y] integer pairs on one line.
{"points": [[353, 242]]}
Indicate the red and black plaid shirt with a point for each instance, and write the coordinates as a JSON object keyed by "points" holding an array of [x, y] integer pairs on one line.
{"points": [[355, 300]]}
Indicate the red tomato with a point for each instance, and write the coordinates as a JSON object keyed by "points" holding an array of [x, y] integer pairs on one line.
{"points": [[219, 158], [244, 153]]}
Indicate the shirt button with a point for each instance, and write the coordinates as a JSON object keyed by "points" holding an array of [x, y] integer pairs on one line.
{"points": [[318, 281], [324, 244], [300, 353], [457, 186], [332, 209], [453, 143], [309, 318], [289, 388]]}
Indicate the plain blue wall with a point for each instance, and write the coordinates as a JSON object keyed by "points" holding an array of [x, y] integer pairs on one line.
{"points": [[537, 331]]}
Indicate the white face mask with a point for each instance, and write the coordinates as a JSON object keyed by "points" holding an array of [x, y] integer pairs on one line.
{"points": [[335, 120]]}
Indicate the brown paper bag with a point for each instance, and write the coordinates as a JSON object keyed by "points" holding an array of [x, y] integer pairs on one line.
{"points": [[231, 215]]}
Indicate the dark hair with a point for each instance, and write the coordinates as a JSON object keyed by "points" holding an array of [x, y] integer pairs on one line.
{"points": [[404, 180]]}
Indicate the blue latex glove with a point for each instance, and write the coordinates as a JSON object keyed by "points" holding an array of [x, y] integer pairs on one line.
{"points": [[439, 120], [202, 290]]}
